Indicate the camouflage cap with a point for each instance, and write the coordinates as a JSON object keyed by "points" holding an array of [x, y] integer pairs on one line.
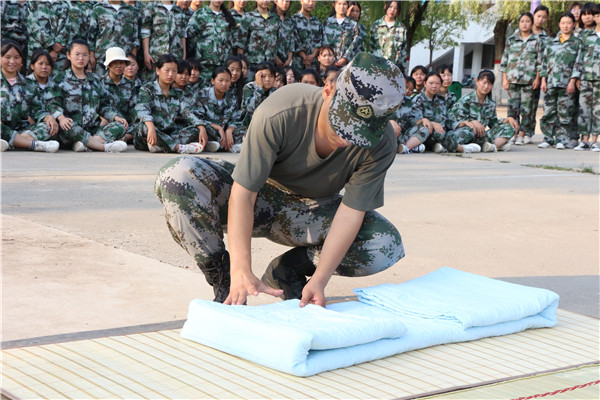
{"points": [[368, 91]]}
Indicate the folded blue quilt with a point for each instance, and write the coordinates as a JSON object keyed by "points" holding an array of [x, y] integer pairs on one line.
{"points": [[444, 306]]}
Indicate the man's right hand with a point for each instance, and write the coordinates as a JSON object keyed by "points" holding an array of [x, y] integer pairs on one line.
{"points": [[244, 284]]}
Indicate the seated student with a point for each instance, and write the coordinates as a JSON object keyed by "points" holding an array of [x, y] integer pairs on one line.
{"points": [[331, 75], [40, 76], [291, 75], [131, 72], [162, 114], [182, 77], [21, 101], [310, 77], [194, 80], [471, 115], [78, 103], [429, 112], [117, 88], [280, 80], [445, 72], [234, 65], [325, 58], [411, 84], [403, 119], [419, 73], [218, 109], [256, 92]]}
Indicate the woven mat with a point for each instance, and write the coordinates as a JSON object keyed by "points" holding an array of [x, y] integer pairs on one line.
{"points": [[162, 365]]}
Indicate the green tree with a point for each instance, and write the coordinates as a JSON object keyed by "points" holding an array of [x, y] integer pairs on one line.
{"points": [[443, 20]]}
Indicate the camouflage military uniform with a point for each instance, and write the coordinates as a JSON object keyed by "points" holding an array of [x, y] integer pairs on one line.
{"points": [[343, 38], [362, 38], [587, 70], [253, 95], [435, 110], [211, 37], [238, 20], [450, 98], [225, 114], [44, 93], [404, 118], [164, 28], [163, 111], [560, 108], [18, 102], [112, 28], [389, 42], [544, 38], [47, 24], [258, 37], [14, 22], [79, 19], [469, 108], [309, 36], [83, 101], [286, 42], [122, 96], [521, 62]]}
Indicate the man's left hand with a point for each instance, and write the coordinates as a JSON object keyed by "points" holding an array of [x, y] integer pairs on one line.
{"points": [[313, 293]]}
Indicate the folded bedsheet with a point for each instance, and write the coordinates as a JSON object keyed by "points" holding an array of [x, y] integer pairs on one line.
{"points": [[444, 306]]}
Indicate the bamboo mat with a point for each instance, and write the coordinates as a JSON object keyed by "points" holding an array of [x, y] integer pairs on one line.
{"points": [[160, 364]]}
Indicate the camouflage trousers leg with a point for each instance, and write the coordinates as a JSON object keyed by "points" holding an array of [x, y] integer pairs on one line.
{"points": [[206, 73], [110, 132], [195, 193], [522, 104], [213, 134], [420, 132], [588, 122], [452, 139], [503, 130], [76, 134], [559, 111], [39, 131], [166, 140]]}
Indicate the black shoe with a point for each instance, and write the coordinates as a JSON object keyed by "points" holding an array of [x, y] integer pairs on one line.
{"points": [[216, 272], [289, 272]]}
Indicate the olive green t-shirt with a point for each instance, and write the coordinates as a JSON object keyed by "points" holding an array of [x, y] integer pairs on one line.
{"points": [[280, 145]]}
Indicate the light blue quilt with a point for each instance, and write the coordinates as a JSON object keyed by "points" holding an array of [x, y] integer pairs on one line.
{"points": [[444, 306]]}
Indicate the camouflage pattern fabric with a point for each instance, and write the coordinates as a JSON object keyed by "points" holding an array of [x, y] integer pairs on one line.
{"points": [[450, 98], [309, 36], [164, 28], [559, 61], [343, 38], [238, 20], [389, 42], [253, 95], [522, 59], [587, 65], [522, 107], [362, 38], [79, 19], [225, 114], [544, 38], [435, 110], [122, 96], [588, 122], [47, 24], [14, 22], [167, 140], [404, 117], [286, 41], [18, 102], [195, 192], [44, 94], [466, 135], [258, 37], [558, 122]]}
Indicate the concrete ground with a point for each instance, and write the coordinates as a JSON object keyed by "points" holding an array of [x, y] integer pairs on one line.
{"points": [[85, 245]]}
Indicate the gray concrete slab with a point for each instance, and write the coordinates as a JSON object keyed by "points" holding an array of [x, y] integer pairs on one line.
{"points": [[85, 245]]}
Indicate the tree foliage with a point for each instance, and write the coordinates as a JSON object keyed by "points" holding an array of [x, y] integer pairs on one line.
{"points": [[442, 25]]}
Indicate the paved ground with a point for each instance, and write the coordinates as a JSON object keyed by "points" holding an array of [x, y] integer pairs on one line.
{"points": [[85, 245]]}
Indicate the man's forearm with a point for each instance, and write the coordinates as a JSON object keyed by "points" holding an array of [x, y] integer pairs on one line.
{"points": [[239, 227]]}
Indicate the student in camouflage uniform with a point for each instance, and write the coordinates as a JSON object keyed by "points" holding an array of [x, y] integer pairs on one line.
{"points": [[309, 36], [286, 43], [341, 33], [256, 92], [40, 78], [78, 103], [540, 17], [14, 22], [388, 36], [237, 12], [19, 102], [258, 35], [131, 72], [587, 71], [558, 82], [47, 25], [79, 19], [159, 109], [520, 67], [445, 72], [471, 115], [210, 33], [402, 122], [354, 12], [285, 187]]}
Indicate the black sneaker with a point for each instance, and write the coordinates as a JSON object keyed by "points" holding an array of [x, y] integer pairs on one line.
{"points": [[288, 272]]}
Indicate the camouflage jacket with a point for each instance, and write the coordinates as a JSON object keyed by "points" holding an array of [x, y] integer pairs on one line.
{"points": [[435, 110], [122, 96], [14, 21], [559, 60], [404, 116], [252, 97], [450, 99], [238, 20], [165, 29], [389, 42], [287, 40], [110, 28], [362, 38], [79, 19], [47, 24], [587, 65], [210, 36], [45, 94], [469, 108], [225, 115], [163, 111], [343, 38], [522, 59], [309, 33], [80, 99], [258, 36], [18, 102]]}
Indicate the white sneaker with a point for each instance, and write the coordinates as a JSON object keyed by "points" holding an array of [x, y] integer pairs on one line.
{"points": [[560, 146], [582, 146], [471, 148], [236, 148], [155, 149], [3, 145], [212, 146], [438, 148], [115, 147], [519, 142], [514, 139], [544, 145], [526, 139], [419, 149], [402, 149], [488, 147], [504, 147], [191, 148], [51, 146], [595, 147], [79, 147]]}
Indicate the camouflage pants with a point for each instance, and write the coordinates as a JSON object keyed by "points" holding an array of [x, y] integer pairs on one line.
{"points": [[422, 133], [195, 193], [207, 71], [466, 135], [39, 131], [166, 139], [521, 103], [588, 122], [559, 116], [110, 132], [238, 134]]}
